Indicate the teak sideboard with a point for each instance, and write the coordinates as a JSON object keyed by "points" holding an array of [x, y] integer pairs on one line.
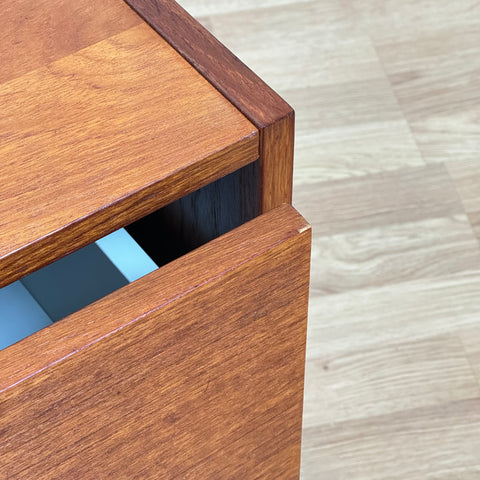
{"points": [[130, 115]]}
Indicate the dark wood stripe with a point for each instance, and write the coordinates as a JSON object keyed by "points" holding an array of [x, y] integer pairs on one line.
{"points": [[243, 88]]}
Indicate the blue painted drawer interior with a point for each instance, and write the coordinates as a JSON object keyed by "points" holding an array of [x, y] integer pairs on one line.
{"points": [[70, 284]]}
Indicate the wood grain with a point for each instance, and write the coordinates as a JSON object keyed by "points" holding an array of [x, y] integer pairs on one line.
{"points": [[388, 254], [258, 102], [276, 157], [430, 55], [35, 34], [441, 373], [216, 7], [420, 443], [186, 373], [103, 137], [360, 203]]}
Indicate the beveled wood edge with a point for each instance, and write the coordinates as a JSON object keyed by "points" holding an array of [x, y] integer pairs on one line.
{"points": [[128, 209], [240, 85], [132, 303]]}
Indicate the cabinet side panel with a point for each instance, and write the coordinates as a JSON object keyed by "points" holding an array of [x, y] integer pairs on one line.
{"points": [[208, 385]]}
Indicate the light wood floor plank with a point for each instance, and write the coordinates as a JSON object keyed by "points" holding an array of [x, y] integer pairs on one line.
{"points": [[470, 337], [200, 8], [393, 313], [393, 253], [387, 379], [436, 79], [362, 131], [428, 443], [389, 21], [377, 200]]}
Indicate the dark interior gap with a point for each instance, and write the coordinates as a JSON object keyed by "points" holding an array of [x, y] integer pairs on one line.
{"points": [[200, 217]]}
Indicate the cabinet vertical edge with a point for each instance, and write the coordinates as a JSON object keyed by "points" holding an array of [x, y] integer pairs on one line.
{"points": [[273, 117]]}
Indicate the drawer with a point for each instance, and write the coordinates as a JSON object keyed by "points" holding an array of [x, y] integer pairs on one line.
{"points": [[192, 371]]}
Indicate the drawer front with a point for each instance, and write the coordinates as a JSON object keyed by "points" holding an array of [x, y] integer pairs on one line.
{"points": [[194, 371]]}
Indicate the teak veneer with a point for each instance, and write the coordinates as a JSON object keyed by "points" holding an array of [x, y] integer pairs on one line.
{"points": [[154, 392], [135, 116]]}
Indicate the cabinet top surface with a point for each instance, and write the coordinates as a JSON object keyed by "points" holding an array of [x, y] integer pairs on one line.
{"points": [[95, 107]]}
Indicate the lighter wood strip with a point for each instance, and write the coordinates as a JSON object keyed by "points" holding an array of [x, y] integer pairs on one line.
{"points": [[37, 33]]}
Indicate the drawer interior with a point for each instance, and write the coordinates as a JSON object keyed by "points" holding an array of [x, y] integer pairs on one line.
{"points": [[73, 282], [69, 284]]}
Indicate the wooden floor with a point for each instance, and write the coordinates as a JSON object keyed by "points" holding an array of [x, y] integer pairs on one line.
{"points": [[387, 95]]}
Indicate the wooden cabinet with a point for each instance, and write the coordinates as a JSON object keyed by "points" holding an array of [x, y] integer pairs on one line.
{"points": [[136, 118]]}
